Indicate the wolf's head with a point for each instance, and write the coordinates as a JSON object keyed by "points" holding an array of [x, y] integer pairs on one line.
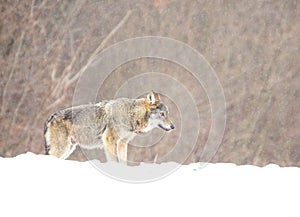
{"points": [[158, 114]]}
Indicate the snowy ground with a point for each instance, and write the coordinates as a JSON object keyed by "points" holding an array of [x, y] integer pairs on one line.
{"points": [[36, 185]]}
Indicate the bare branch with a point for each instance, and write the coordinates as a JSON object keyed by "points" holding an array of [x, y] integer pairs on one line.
{"points": [[11, 72], [20, 102], [155, 158], [66, 82], [32, 8], [99, 48]]}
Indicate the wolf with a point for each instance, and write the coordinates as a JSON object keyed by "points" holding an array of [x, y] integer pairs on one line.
{"points": [[109, 124]]}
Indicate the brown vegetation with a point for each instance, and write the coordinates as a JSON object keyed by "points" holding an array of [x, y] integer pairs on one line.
{"points": [[252, 45]]}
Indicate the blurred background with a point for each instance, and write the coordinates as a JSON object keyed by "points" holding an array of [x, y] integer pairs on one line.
{"points": [[253, 47]]}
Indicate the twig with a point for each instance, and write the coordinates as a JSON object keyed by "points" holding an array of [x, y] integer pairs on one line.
{"points": [[99, 48], [17, 110], [66, 82], [155, 158], [60, 84], [32, 8], [55, 103], [11, 72]]}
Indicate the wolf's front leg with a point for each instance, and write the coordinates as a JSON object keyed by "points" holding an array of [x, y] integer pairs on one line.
{"points": [[110, 138], [122, 151]]}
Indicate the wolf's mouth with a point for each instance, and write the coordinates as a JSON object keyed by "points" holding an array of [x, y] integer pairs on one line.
{"points": [[166, 129]]}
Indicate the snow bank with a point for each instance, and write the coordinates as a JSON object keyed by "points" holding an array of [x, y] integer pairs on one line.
{"points": [[36, 185]]}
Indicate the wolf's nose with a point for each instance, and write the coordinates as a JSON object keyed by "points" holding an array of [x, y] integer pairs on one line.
{"points": [[172, 127]]}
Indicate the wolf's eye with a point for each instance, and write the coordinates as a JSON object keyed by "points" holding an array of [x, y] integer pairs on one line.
{"points": [[162, 114]]}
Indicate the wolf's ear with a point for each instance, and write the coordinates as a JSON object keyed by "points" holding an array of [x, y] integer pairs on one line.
{"points": [[153, 98]]}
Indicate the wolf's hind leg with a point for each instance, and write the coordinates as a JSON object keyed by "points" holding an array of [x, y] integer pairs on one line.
{"points": [[122, 151], [62, 151], [69, 151]]}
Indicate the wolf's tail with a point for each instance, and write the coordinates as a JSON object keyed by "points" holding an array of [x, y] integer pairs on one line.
{"points": [[49, 120], [47, 148]]}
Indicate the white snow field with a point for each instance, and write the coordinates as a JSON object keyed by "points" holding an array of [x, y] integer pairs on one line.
{"points": [[37, 185]]}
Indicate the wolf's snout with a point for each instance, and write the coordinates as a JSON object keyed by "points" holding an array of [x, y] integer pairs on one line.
{"points": [[172, 127]]}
